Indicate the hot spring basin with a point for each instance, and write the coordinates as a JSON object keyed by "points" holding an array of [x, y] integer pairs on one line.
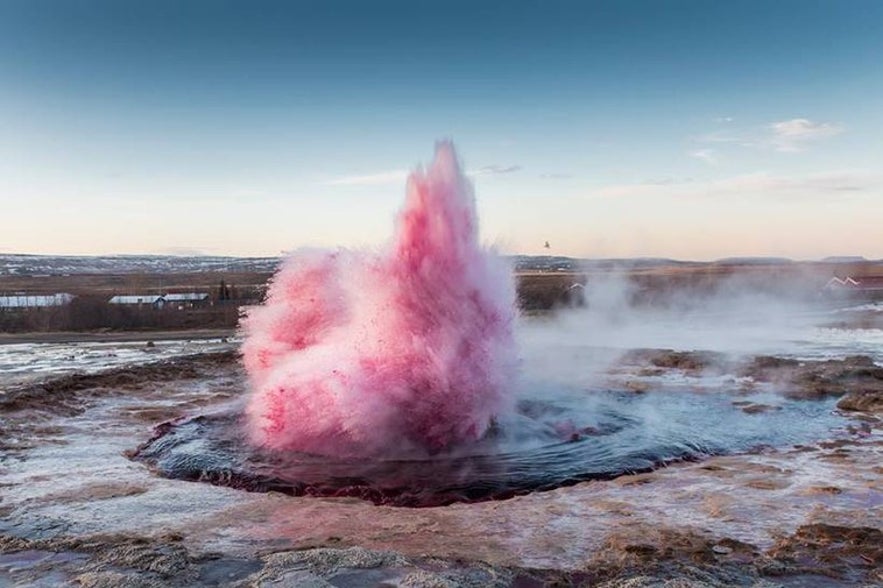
{"points": [[565, 438]]}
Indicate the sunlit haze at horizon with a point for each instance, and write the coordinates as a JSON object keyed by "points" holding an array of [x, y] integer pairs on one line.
{"points": [[689, 130]]}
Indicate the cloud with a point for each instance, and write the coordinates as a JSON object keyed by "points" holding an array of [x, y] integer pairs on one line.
{"points": [[724, 119], [495, 170], [733, 137], [397, 176], [760, 183], [794, 134], [705, 155], [787, 136]]}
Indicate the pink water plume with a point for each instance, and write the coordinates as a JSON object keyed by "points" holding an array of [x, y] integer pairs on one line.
{"points": [[410, 348]]}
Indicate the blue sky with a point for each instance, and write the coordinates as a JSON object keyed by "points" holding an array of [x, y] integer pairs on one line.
{"points": [[685, 129]]}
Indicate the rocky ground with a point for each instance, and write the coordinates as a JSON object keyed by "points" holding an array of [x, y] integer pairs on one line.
{"points": [[74, 510]]}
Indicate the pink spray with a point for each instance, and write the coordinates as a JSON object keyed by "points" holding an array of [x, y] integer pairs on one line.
{"points": [[407, 349]]}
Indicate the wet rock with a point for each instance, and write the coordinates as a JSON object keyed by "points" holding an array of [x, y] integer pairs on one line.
{"points": [[117, 579], [325, 561], [164, 560], [680, 575], [425, 579], [218, 570], [849, 553], [658, 545], [862, 401], [823, 490], [862, 429], [107, 560], [293, 579], [637, 387], [816, 379], [642, 550], [452, 574], [635, 479], [754, 407], [96, 491], [356, 567], [58, 395], [763, 363], [688, 361]]}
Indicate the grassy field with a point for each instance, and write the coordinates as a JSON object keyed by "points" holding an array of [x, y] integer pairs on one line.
{"points": [[661, 285]]}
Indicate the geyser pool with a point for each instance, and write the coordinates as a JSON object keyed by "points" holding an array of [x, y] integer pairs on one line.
{"points": [[363, 353], [555, 437]]}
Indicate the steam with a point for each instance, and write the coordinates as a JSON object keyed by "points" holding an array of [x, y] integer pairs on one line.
{"points": [[363, 353], [739, 314]]}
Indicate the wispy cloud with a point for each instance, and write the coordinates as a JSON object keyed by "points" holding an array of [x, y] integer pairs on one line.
{"points": [[796, 133], [396, 176], [760, 183], [705, 155], [399, 176], [489, 170], [742, 138], [787, 136]]}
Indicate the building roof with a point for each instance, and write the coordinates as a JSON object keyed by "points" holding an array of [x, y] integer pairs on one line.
{"points": [[35, 301], [136, 299], [159, 299], [186, 297]]}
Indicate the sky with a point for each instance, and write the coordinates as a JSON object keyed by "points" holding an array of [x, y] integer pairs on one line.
{"points": [[684, 129]]}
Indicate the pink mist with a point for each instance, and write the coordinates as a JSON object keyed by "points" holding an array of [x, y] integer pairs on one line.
{"points": [[378, 353]]}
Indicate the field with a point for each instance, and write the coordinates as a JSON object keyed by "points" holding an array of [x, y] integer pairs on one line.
{"points": [[649, 284]]}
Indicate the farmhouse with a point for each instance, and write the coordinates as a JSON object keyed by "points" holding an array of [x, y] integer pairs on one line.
{"points": [[187, 300], [153, 300]]}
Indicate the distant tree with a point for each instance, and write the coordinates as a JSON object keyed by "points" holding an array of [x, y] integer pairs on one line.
{"points": [[223, 291]]}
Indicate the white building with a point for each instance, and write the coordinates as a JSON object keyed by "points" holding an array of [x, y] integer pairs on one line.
{"points": [[179, 301], [188, 297], [23, 301], [187, 300], [139, 300]]}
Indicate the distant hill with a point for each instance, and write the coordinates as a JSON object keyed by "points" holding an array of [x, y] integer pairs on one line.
{"points": [[753, 261], [558, 263], [35, 265], [845, 259], [60, 265]]}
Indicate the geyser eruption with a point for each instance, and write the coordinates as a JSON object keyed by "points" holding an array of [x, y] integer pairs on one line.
{"points": [[365, 368], [358, 353]]}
